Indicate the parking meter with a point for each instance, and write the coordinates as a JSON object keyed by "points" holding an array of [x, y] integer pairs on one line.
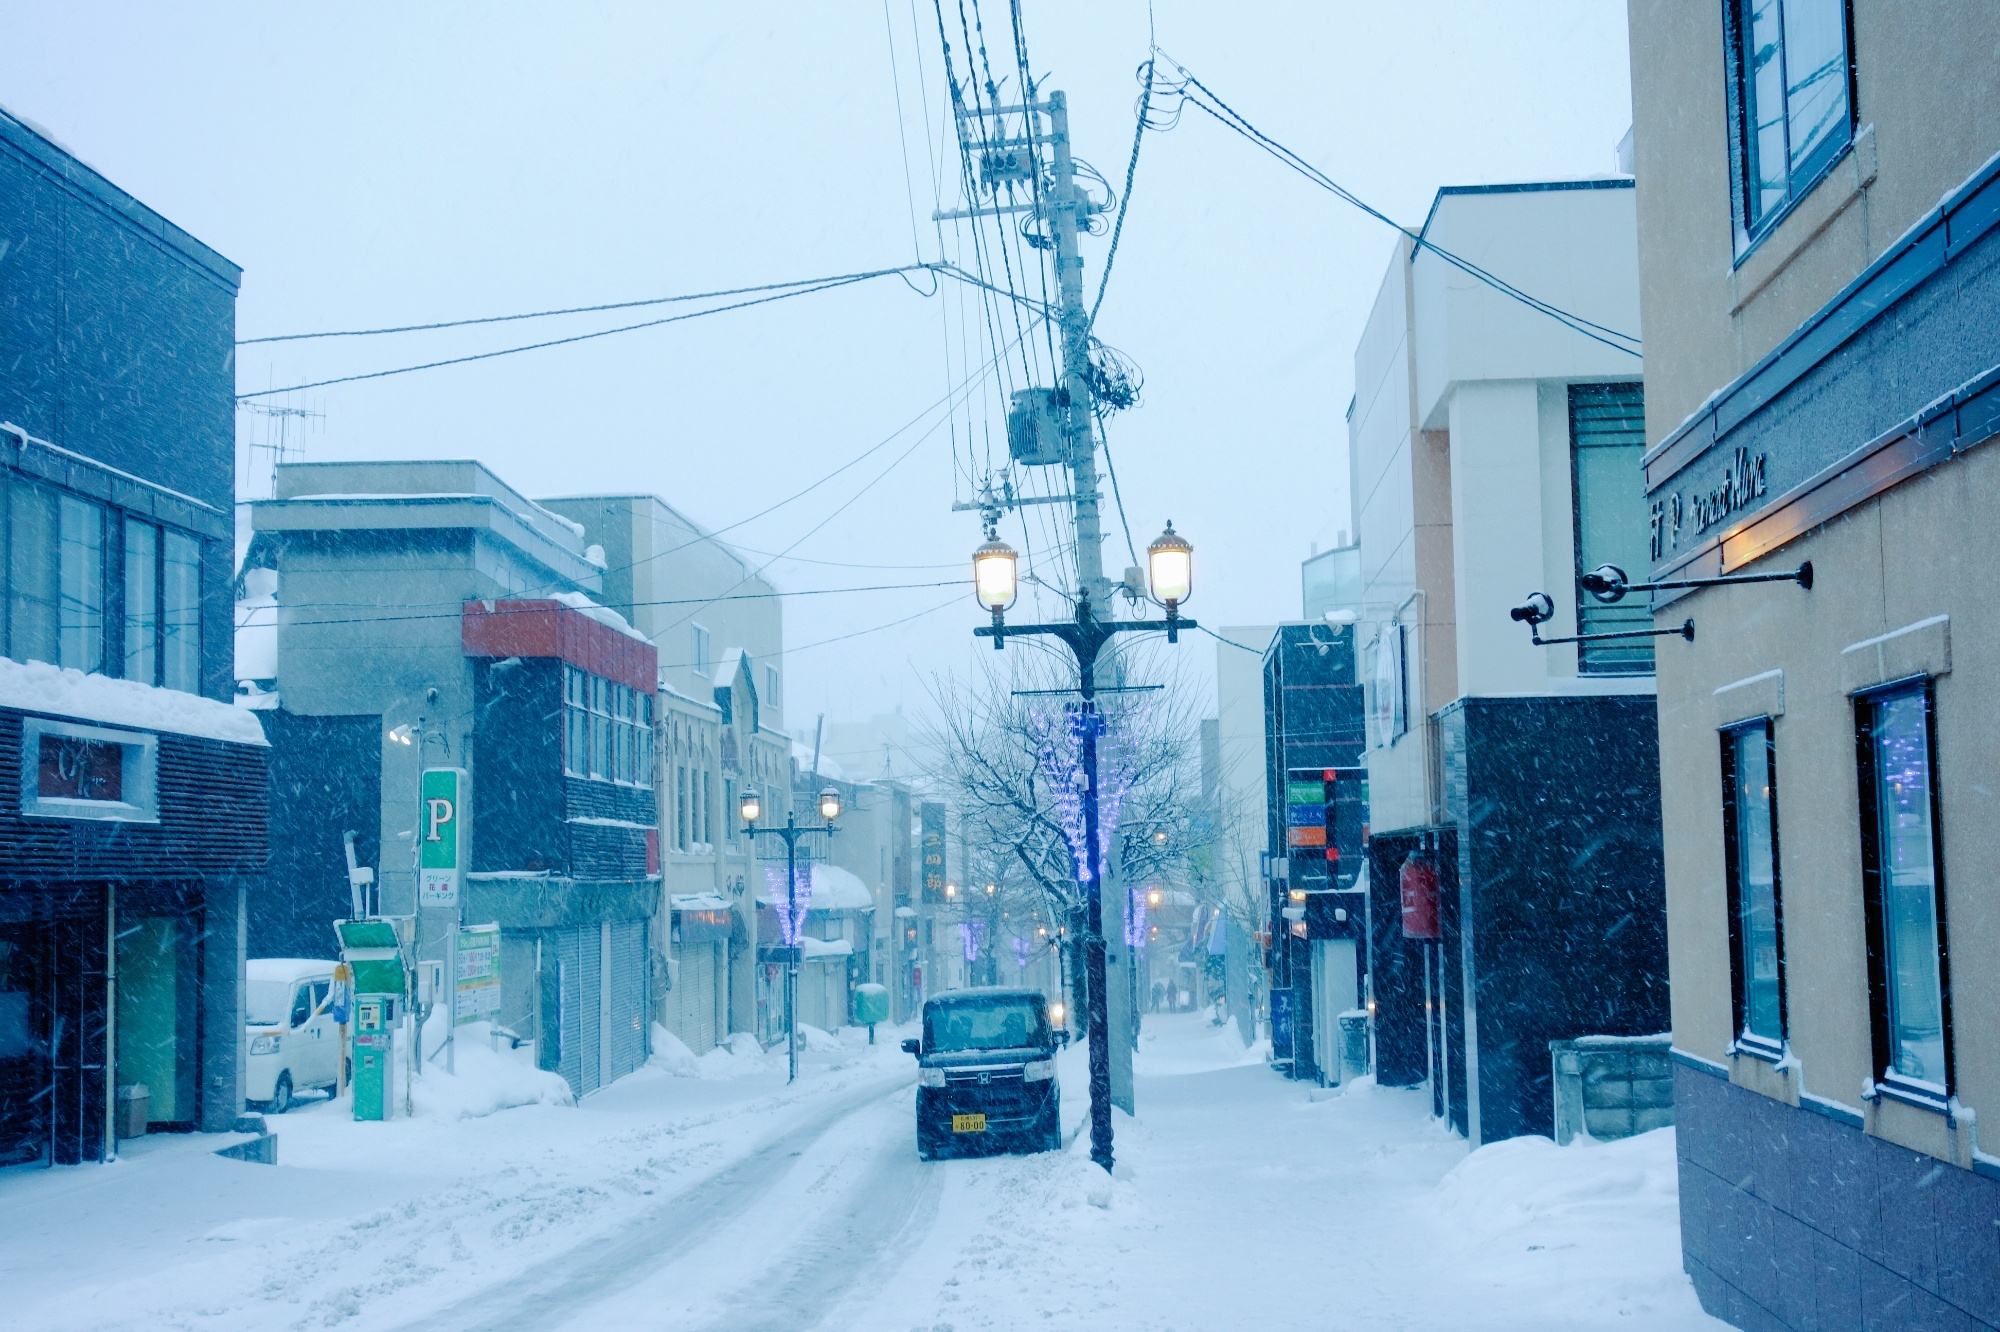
{"points": [[374, 1035]]}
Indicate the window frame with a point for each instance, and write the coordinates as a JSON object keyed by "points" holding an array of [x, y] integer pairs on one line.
{"points": [[139, 793], [1743, 1039], [1749, 231], [1884, 1077]]}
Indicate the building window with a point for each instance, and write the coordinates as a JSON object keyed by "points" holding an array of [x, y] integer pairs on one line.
{"points": [[142, 601], [681, 808], [698, 644], [729, 810], [607, 730], [180, 620], [1903, 886], [87, 772], [1607, 433], [1790, 103], [1750, 843], [771, 685]]}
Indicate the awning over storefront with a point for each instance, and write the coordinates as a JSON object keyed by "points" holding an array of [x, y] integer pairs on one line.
{"points": [[701, 917]]}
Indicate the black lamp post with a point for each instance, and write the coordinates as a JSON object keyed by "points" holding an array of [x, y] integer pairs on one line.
{"points": [[1170, 564], [752, 808]]}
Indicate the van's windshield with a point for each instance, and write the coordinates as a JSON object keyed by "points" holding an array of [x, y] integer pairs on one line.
{"points": [[1003, 1022]]}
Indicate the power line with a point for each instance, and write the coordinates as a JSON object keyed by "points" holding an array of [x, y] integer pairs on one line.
{"points": [[583, 309], [426, 614], [1232, 119], [1125, 199]]}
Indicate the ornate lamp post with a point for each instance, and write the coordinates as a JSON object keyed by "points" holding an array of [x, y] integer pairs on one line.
{"points": [[752, 808], [1170, 575]]}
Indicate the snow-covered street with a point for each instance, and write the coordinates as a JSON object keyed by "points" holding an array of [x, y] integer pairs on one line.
{"points": [[710, 1195]]}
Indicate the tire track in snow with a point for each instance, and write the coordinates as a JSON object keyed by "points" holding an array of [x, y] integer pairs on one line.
{"points": [[557, 1289]]}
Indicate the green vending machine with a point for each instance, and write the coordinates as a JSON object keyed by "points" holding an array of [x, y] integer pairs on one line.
{"points": [[374, 949]]}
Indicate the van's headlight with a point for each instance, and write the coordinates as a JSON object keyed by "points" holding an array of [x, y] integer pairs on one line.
{"points": [[264, 1045], [930, 1077], [1039, 1071]]}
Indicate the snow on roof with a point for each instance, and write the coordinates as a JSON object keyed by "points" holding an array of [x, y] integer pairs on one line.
{"points": [[803, 752], [602, 614], [36, 686], [833, 889], [285, 968], [826, 947], [698, 901]]}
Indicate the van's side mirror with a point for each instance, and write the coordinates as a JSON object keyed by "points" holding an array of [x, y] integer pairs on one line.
{"points": [[913, 1046]]}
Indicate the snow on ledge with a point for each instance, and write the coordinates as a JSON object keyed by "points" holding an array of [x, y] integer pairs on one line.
{"points": [[604, 615], [36, 686]]}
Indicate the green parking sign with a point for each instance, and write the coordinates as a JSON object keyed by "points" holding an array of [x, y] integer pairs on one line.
{"points": [[441, 836]]}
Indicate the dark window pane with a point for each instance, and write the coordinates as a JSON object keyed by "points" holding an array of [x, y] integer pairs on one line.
{"points": [[180, 585], [1608, 434], [1909, 887], [142, 601], [33, 566], [1757, 885]]}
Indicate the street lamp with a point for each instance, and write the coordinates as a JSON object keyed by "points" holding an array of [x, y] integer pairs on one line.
{"points": [[1154, 897], [751, 808], [1170, 563]]}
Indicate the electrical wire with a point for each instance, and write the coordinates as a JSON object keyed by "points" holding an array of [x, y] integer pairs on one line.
{"points": [[1234, 120], [433, 610], [581, 309], [1125, 199]]}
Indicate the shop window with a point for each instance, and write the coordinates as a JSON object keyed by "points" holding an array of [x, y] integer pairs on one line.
{"points": [[1791, 105], [87, 772], [1903, 886], [1607, 431], [1756, 922]]}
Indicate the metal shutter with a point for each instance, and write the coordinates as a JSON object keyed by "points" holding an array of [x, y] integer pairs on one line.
{"points": [[625, 1042], [693, 1000], [589, 1005], [570, 1004]]}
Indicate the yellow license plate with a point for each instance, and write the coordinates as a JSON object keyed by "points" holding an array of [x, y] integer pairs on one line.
{"points": [[968, 1123]]}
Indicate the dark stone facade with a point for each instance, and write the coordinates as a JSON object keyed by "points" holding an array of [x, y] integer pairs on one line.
{"points": [[1794, 1220], [1558, 925], [326, 780]]}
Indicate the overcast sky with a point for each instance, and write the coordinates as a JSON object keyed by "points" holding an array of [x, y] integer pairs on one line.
{"points": [[374, 164]]}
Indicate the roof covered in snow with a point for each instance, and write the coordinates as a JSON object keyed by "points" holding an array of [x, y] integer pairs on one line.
{"points": [[833, 889], [36, 686]]}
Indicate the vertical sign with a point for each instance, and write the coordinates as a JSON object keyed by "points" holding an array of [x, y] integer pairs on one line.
{"points": [[441, 836], [478, 982], [930, 815]]}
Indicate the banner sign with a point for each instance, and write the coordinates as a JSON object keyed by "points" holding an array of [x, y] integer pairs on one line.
{"points": [[441, 836], [931, 818], [478, 997]]}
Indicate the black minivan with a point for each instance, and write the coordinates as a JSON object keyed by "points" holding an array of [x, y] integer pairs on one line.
{"points": [[986, 1074]]}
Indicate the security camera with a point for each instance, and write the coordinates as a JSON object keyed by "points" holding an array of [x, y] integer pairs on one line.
{"points": [[1607, 582], [431, 697], [1537, 609]]}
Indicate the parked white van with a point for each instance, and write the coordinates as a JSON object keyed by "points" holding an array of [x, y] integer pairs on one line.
{"points": [[294, 1041]]}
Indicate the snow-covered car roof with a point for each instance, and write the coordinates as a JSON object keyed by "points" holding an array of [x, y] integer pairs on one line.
{"points": [[286, 968]]}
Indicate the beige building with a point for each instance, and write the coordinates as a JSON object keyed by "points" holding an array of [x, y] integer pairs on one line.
{"points": [[1820, 287]]}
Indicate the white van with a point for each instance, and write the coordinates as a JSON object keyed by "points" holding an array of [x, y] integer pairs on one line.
{"points": [[294, 1041]]}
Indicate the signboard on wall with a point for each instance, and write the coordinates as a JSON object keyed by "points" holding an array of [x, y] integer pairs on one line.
{"points": [[441, 836], [930, 816], [478, 982]]}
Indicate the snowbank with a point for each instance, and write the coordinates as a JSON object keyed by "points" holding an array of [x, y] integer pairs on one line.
{"points": [[36, 686], [484, 1081]]}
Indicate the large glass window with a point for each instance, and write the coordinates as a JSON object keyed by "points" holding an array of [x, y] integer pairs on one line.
{"points": [[1750, 834], [1904, 888], [607, 730], [80, 620], [142, 601], [1607, 431], [180, 598], [34, 574], [1790, 101]]}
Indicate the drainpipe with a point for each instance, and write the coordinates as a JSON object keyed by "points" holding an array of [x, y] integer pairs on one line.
{"points": [[110, 1149]]}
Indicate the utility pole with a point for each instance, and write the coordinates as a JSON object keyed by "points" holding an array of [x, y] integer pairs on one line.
{"points": [[1063, 213]]}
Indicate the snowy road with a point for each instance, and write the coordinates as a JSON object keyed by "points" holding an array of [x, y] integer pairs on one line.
{"points": [[728, 1200]]}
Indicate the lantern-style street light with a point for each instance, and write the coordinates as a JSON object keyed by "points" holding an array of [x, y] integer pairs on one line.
{"points": [[1170, 574], [752, 808]]}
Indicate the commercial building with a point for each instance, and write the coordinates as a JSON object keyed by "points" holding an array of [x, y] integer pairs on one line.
{"points": [[1495, 453], [719, 631], [132, 802], [1817, 194], [435, 607]]}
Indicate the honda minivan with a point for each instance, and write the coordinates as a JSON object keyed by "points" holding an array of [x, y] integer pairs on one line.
{"points": [[986, 1074]]}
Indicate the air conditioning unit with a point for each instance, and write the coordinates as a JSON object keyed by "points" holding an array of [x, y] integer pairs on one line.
{"points": [[1034, 428]]}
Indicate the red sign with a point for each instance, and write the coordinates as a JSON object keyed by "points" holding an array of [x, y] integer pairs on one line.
{"points": [[1419, 882]]}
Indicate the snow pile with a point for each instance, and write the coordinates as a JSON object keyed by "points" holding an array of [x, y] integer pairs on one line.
{"points": [[1214, 1047], [671, 1053], [483, 1081], [36, 686], [812, 1038], [1587, 1233]]}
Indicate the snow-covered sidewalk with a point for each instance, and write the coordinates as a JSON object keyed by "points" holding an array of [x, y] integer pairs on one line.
{"points": [[707, 1194], [1245, 1201]]}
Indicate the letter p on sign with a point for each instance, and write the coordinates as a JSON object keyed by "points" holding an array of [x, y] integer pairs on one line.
{"points": [[441, 858]]}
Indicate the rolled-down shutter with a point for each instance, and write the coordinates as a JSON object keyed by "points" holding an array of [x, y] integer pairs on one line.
{"points": [[571, 1004], [625, 1041], [590, 1009]]}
